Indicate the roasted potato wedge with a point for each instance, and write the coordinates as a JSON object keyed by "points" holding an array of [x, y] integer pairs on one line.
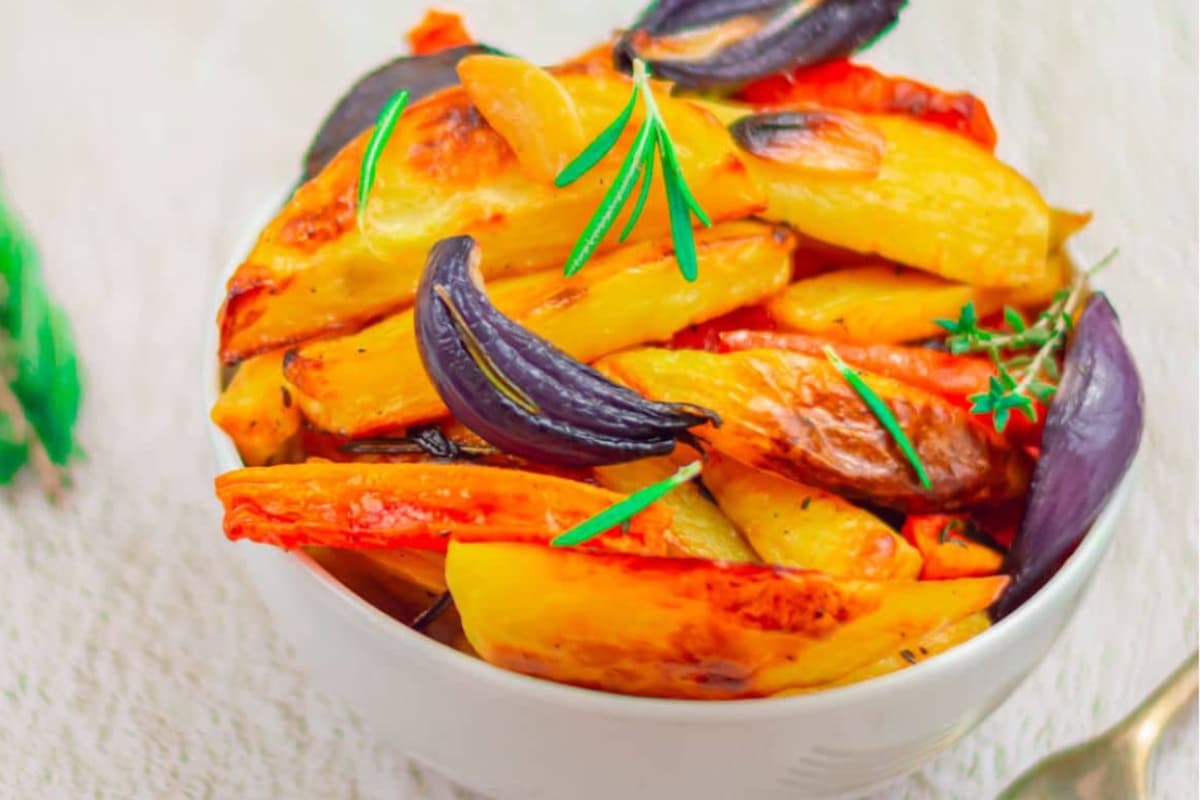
{"points": [[939, 641], [257, 410], [688, 627], [939, 203], [883, 303], [698, 527], [383, 506], [797, 416], [373, 380], [804, 527], [445, 171]]}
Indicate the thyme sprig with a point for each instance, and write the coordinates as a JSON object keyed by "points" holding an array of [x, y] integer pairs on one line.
{"points": [[1024, 354], [652, 139]]}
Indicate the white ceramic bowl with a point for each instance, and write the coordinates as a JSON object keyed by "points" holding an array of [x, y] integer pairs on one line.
{"points": [[512, 737]]}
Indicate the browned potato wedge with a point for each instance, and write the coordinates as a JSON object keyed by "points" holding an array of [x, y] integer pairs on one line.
{"points": [[802, 526], [939, 203], [257, 410], [796, 415], [687, 627], [443, 172], [698, 528], [373, 380], [939, 641]]}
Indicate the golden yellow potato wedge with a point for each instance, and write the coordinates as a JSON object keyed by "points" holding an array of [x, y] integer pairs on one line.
{"points": [[939, 641], [373, 380], [1064, 224], [686, 627], [939, 203], [698, 528], [257, 410], [881, 303], [528, 107], [805, 527], [796, 415], [425, 568], [445, 171]]}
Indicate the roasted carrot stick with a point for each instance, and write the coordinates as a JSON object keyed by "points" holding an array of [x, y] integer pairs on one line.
{"points": [[947, 548], [438, 31], [368, 506], [856, 87]]}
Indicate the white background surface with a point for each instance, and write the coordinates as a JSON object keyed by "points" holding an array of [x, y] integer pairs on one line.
{"points": [[137, 136]]}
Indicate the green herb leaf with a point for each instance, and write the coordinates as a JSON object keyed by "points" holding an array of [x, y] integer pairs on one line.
{"points": [[883, 414], [610, 206], [647, 177], [1015, 320], [681, 231], [674, 174], [617, 513], [385, 123], [599, 147]]}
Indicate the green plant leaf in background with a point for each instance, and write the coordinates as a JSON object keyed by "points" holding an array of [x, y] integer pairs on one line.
{"points": [[37, 357]]}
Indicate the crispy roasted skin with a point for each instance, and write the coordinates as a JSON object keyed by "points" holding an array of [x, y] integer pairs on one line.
{"points": [[688, 627], [381, 506], [797, 416], [445, 172], [373, 380]]}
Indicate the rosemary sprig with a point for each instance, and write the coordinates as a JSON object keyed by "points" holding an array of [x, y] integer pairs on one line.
{"points": [[652, 139], [619, 513], [385, 123], [1024, 354], [884, 414]]}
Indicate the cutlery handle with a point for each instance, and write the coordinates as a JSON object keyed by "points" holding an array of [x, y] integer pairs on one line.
{"points": [[1146, 723]]}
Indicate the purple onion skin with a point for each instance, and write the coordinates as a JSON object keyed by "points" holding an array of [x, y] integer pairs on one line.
{"points": [[833, 29], [360, 105], [583, 419], [1092, 433]]}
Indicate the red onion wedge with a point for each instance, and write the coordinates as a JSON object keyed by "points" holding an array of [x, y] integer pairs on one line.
{"points": [[1092, 433], [521, 393]]}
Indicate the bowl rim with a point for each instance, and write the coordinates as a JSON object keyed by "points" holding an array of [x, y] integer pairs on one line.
{"points": [[1078, 567]]}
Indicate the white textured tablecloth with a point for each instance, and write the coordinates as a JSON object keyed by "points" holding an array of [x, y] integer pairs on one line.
{"points": [[138, 135]]}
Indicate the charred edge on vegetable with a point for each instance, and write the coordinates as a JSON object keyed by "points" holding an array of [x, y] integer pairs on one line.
{"points": [[429, 440]]}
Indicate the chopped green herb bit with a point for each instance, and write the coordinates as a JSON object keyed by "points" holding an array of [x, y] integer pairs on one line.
{"points": [[620, 512]]}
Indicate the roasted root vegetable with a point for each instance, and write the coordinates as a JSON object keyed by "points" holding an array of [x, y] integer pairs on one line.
{"points": [[939, 203], [698, 527], [383, 506], [885, 303], [957, 378], [950, 547], [438, 31], [801, 526], [257, 409], [841, 83], [937, 642], [720, 43], [521, 393], [357, 109], [373, 381], [509, 93], [445, 171], [688, 627], [797, 416]]}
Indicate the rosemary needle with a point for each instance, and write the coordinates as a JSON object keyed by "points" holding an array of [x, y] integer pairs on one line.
{"points": [[385, 123], [621, 511], [882, 413]]}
